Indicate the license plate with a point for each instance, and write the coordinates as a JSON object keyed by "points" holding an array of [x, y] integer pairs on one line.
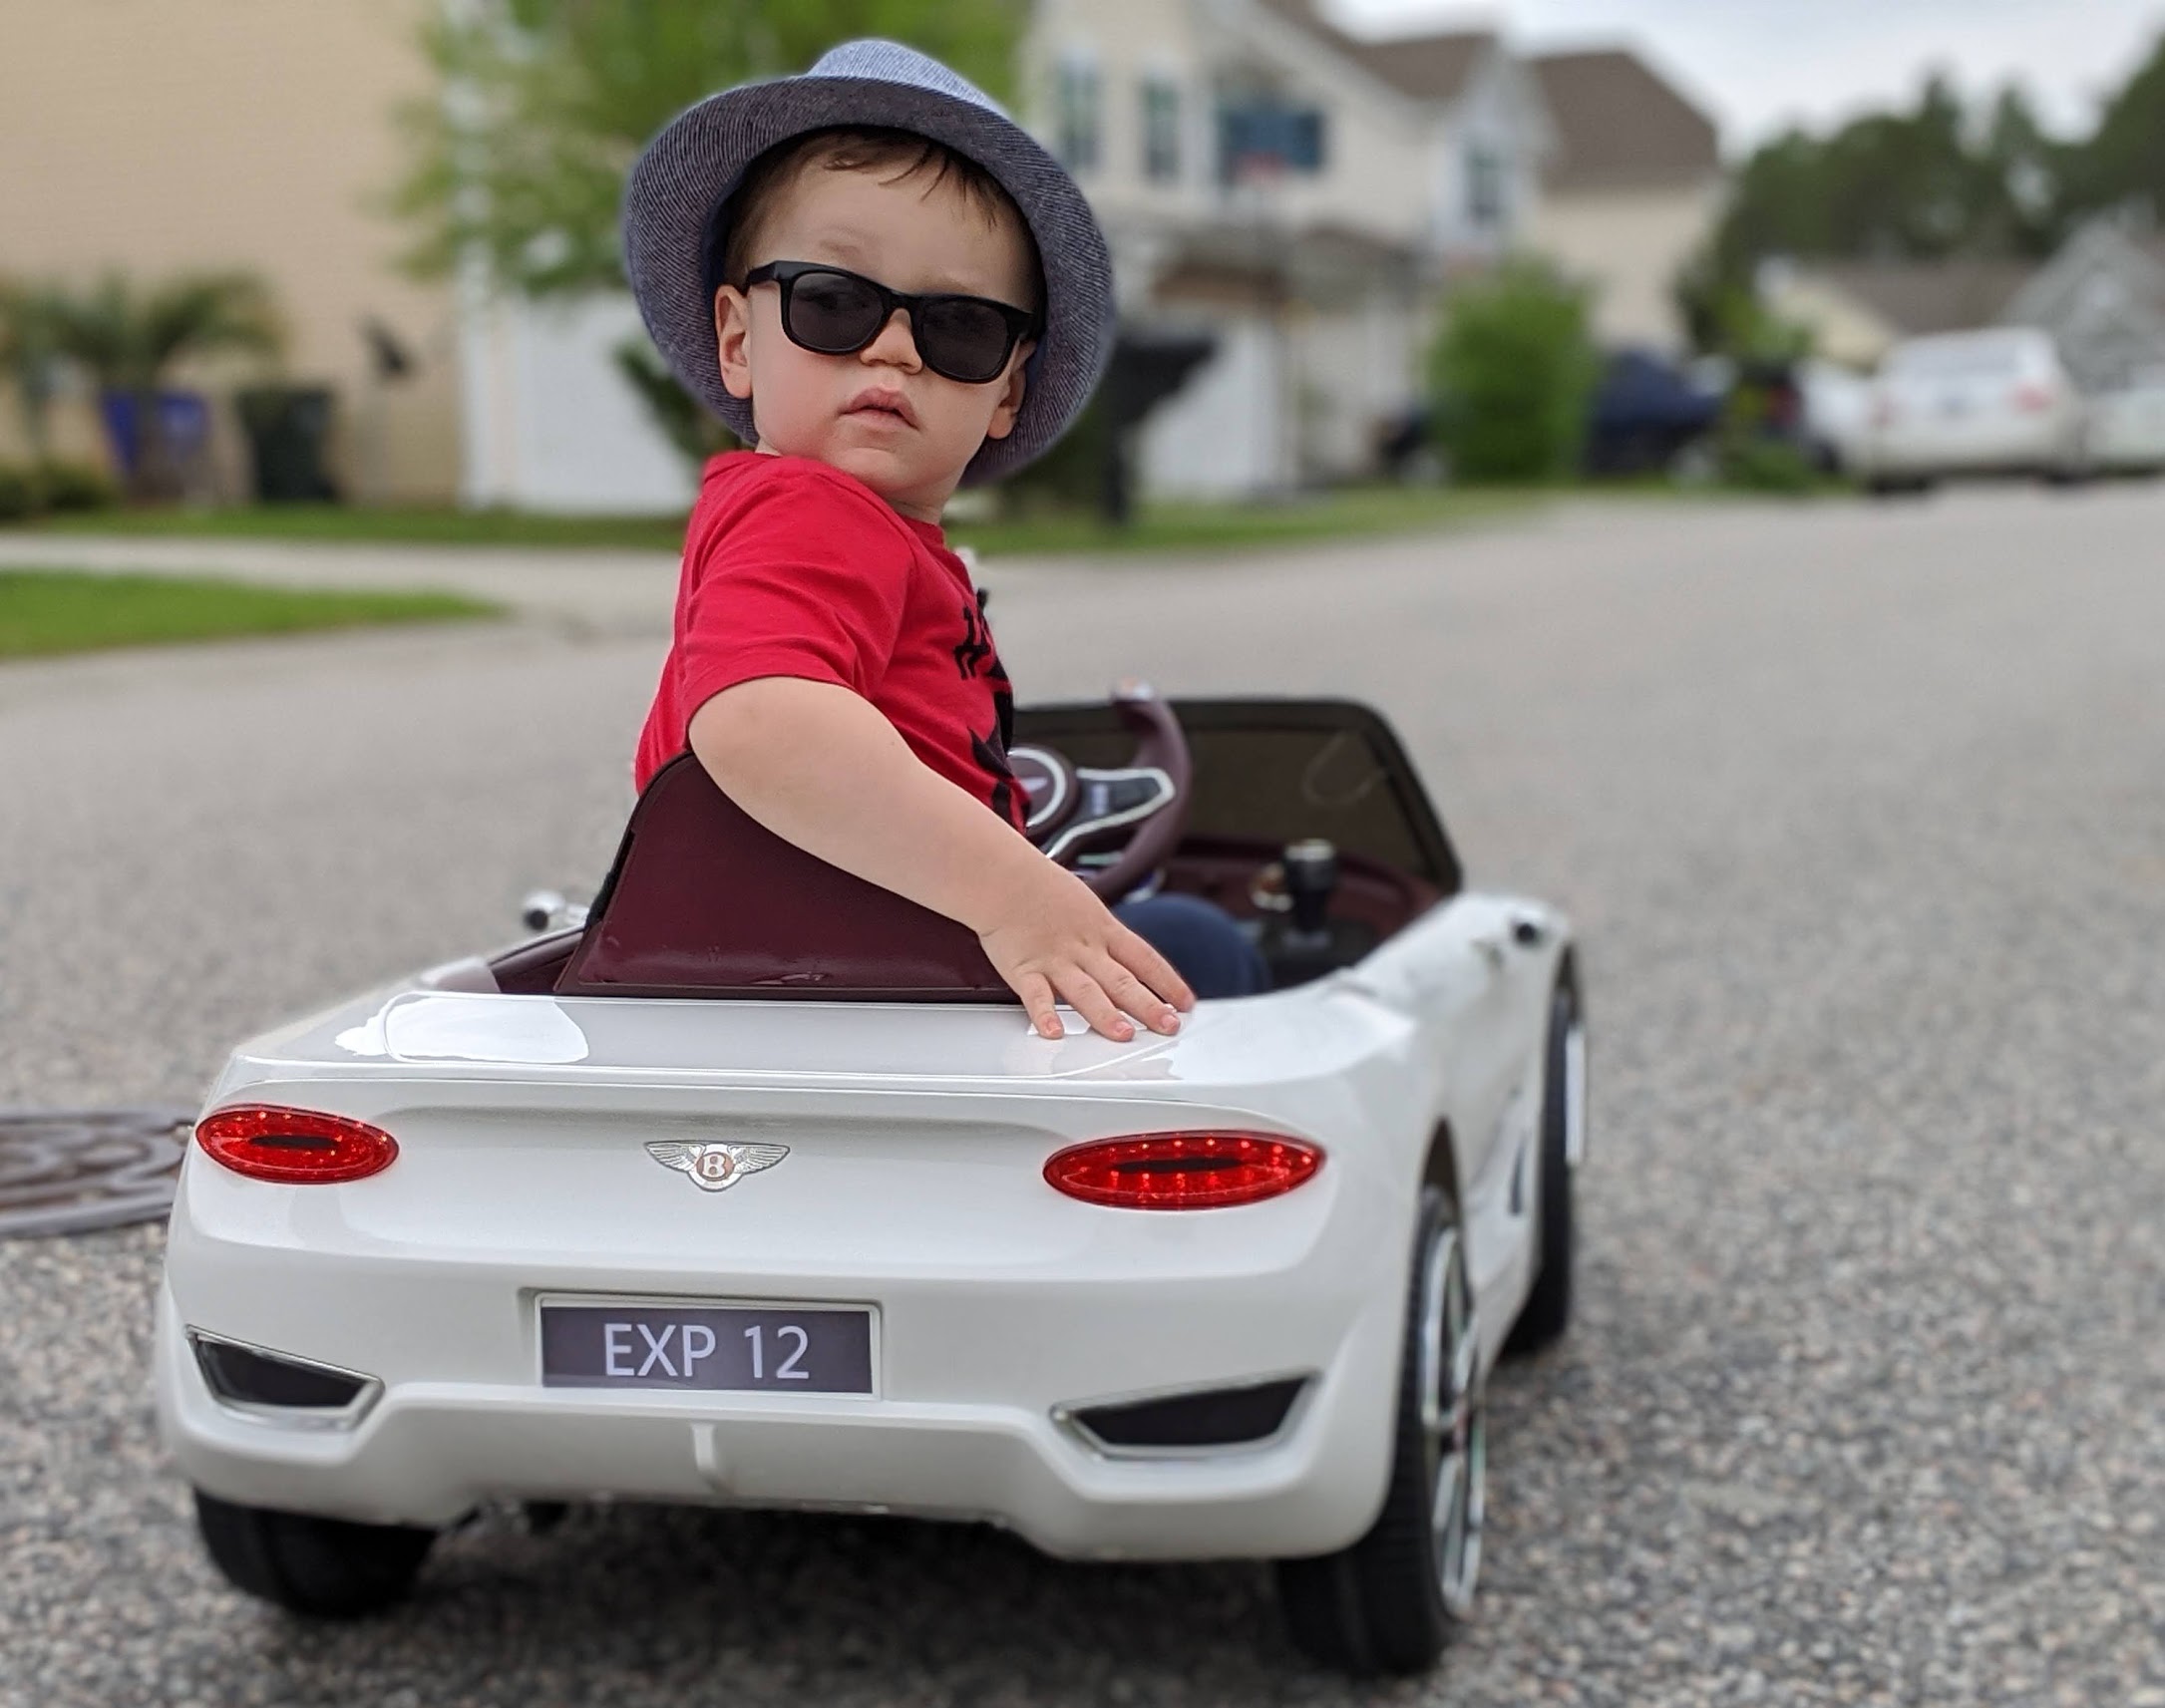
{"points": [[782, 1349]]}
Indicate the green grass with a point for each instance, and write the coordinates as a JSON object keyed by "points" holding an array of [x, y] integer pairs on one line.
{"points": [[1263, 523], [386, 527], [48, 611], [1158, 528]]}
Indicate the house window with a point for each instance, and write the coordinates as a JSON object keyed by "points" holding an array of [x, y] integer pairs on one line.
{"points": [[1160, 129], [1076, 115], [1485, 200], [1262, 136]]}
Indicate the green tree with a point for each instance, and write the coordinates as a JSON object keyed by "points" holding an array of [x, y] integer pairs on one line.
{"points": [[128, 338], [519, 160], [1932, 182], [2026, 212], [520, 157], [2123, 160], [1512, 374], [29, 358], [1936, 179]]}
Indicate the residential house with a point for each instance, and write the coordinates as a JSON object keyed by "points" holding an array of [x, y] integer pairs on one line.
{"points": [[1488, 133], [158, 139], [1631, 188], [1301, 195], [255, 134], [1857, 310], [1293, 193], [2103, 297]]}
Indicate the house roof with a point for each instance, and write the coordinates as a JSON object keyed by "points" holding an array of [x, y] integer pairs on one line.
{"points": [[1620, 125], [1428, 68], [1917, 297]]}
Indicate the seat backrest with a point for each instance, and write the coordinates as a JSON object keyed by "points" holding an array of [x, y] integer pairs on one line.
{"points": [[703, 901]]}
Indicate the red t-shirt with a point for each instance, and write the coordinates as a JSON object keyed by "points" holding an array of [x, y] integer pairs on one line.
{"points": [[795, 568]]}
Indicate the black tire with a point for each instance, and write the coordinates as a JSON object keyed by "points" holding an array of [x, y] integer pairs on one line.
{"points": [[1547, 1312], [1382, 1606], [327, 1568]]}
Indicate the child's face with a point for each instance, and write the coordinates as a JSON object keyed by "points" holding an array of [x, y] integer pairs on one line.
{"points": [[879, 413]]}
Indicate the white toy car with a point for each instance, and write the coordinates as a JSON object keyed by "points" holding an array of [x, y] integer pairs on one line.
{"points": [[758, 1190]]}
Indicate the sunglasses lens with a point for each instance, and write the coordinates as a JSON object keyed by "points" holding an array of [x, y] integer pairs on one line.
{"points": [[963, 339], [833, 314]]}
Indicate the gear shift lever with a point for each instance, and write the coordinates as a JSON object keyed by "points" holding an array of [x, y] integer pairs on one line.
{"points": [[1312, 878]]}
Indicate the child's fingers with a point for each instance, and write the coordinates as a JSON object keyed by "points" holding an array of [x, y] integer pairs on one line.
{"points": [[1087, 997], [1037, 1001], [1136, 997], [1136, 954]]}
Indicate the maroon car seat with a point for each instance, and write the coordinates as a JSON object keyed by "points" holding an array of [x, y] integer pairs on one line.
{"points": [[703, 901]]}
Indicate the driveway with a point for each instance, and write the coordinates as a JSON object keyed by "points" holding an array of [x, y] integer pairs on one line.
{"points": [[1859, 809]]}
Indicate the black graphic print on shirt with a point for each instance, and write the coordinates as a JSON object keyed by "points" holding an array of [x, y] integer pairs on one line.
{"points": [[975, 646], [973, 656]]}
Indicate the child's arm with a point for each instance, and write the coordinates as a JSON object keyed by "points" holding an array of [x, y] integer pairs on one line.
{"points": [[820, 766]]}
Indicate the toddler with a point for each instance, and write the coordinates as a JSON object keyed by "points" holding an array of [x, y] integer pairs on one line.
{"points": [[887, 288]]}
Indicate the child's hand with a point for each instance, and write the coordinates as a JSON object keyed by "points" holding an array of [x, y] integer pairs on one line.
{"points": [[823, 769], [1053, 941]]}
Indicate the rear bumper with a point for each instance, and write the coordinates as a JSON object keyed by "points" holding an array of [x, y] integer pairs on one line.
{"points": [[976, 1372], [2013, 448], [427, 1453]]}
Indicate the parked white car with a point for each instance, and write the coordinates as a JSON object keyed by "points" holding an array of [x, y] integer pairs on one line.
{"points": [[758, 1190], [1996, 402], [2127, 425], [1837, 412]]}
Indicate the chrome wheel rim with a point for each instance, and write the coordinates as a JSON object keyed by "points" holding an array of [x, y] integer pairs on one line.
{"points": [[1575, 1092], [1454, 1425]]}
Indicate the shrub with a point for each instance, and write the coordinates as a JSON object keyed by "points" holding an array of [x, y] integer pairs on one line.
{"points": [[1768, 465], [682, 418], [1070, 475], [72, 487], [1512, 375], [18, 494]]}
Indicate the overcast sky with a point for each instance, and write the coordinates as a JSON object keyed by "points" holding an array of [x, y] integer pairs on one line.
{"points": [[1760, 64]]}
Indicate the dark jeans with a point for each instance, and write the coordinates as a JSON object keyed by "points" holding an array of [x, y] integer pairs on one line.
{"points": [[1202, 941]]}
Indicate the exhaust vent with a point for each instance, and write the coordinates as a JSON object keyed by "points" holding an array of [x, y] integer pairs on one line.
{"points": [[270, 1384], [1207, 1420]]}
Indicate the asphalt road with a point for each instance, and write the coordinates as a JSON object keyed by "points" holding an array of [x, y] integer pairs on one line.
{"points": [[1859, 809]]}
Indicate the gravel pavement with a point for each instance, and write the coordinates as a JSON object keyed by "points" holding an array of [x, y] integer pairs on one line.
{"points": [[1862, 811]]}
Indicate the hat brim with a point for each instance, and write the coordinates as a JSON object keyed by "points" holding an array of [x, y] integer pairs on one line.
{"points": [[699, 159]]}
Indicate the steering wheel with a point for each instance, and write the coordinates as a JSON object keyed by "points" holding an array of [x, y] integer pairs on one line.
{"points": [[1074, 812]]}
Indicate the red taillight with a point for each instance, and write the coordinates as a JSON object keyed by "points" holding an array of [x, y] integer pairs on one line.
{"points": [[1183, 1171], [294, 1147], [2034, 398]]}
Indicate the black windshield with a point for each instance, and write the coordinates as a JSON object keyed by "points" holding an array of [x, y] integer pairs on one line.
{"points": [[1279, 771]]}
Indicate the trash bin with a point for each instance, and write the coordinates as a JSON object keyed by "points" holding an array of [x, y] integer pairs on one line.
{"points": [[289, 429], [183, 425]]}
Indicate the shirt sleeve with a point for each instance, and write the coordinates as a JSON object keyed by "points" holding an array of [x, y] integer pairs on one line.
{"points": [[803, 578]]}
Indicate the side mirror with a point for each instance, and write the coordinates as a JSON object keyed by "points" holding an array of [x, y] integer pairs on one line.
{"points": [[548, 910]]}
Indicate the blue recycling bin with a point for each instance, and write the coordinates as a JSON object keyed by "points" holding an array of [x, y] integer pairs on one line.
{"points": [[185, 418]]}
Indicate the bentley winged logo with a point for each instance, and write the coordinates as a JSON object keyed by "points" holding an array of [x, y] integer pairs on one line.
{"points": [[715, 1168]]}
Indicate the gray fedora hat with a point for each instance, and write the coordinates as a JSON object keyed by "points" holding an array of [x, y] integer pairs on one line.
{"points": [[673, 213]]}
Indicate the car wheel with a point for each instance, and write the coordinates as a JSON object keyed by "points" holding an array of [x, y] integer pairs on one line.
{"points": [[1547, 1312], [1389, 1602], [331, 1568]]}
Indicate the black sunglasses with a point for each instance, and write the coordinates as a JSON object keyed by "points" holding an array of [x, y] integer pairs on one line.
{"points": [[835, 312]]}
